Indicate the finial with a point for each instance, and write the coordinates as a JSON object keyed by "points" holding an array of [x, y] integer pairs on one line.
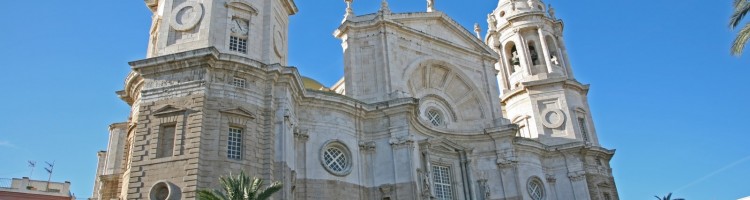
{"points": [[430, 5], [477, 30], [384, 7], [551, 11], [349, 10]]}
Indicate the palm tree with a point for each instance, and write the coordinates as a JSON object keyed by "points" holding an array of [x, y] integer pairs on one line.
{"points": [[668, 197], [240, 187], [741, 8]]}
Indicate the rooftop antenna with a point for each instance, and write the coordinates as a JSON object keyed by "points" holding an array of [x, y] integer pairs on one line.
{"points": [[32, 165], [49, 169]]}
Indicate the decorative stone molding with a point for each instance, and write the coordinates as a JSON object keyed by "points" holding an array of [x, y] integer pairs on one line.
{"points": [[577, 176], [505, 164], [550, 122], [424, 177], [386, 190], [186, 16], [367, 146], [484, 189], [401, 142], [551, 178], [301, 134]]}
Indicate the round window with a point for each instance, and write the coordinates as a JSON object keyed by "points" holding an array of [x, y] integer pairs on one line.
{"points": [[164, 190], [336, 158], [435, 117], [536, 189]]}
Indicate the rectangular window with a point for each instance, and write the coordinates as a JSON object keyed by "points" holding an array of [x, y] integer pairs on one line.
{"points": [[441, 176], [234, 144], [607, 197], [165, 146], [238, 44], [584, 129], [238, 82]]}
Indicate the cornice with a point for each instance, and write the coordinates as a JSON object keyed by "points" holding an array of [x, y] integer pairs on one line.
{"points": [[391, 21], [529, 85], [290, 6]]}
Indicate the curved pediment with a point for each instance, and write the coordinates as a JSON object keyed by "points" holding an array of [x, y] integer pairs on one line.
{"points": [[442, 85], [242, 5]]}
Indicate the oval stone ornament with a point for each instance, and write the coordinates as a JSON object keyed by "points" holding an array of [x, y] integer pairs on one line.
{"points": [[553, 118], [186, 15]]}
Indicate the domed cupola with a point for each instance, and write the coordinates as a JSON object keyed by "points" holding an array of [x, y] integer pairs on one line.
{"points": [[509, 9]]}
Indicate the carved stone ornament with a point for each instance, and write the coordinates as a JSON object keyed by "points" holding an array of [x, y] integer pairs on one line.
{"points": [[186, 16], [553, 118], [278, 43], [577, 176]]}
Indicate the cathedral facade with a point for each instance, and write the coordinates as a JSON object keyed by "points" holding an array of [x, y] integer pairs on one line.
{"points": [[426, 109]]}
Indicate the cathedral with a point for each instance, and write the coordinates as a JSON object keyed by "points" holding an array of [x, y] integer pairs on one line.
{"points": [[426, 108]]}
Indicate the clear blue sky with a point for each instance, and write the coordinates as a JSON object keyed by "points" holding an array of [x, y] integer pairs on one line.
{"points": [[665, 91]]}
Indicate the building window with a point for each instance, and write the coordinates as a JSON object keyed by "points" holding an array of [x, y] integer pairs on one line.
{"points": [[442, 182], [234, 144], [607, 196], [165, 146], [238, 82], [336, 158], [584, 129], [435, 117], [238, 44], [535, 189]]}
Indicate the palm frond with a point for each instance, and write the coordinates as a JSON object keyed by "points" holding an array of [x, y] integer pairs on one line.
{"points": [[741, 9], [738, 2], [739, 43], [210, 195], [240, 187], [273, 188]]}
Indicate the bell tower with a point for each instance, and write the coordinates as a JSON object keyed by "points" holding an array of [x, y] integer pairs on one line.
{"points": [[250, 28], [539, 92]]}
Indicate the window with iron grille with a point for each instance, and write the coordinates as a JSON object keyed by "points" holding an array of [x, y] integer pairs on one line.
{"points": [[535, 189], [234, 144], [441, 176], [435, 117], [335, 159], [238, 44], [238, 82]]}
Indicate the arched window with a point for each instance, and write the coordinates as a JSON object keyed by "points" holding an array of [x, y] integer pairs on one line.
{"points": [[532, 52], [552, 47], [514, 59], [435, 117]]}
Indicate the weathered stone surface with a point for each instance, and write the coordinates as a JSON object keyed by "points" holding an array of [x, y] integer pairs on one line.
{"points": [[425, 109]]}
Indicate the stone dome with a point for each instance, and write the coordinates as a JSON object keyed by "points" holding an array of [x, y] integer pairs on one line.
{"points": [[312, 84]]}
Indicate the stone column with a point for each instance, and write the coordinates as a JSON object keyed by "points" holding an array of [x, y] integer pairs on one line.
{"points": [[523, 53], [578, 182], [564, 56], [545, 50]]}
